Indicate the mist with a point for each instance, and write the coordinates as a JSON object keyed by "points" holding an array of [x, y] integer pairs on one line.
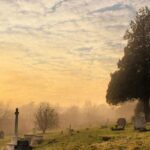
{"points": [[86, 116]]}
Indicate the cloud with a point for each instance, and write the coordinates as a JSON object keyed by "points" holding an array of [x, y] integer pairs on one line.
{"points": [[62, 40], [84, 49], [115, 7], [56, 6]]}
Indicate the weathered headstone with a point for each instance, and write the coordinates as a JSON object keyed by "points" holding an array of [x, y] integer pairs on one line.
{"points": [[103, 126], [37, 139], [1, 134], [121, 123], [29, 137], [139, 122], [34, 131]]}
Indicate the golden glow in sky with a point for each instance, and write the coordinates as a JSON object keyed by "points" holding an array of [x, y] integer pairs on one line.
{"points": [[61, 51]]}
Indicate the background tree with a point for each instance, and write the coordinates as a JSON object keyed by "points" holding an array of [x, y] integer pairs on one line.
{"points": [[132, 79], [46, 117]]}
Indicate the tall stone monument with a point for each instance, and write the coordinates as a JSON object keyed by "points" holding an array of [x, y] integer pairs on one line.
{"points": [[14, 139], [16, 142], [16, 122]]}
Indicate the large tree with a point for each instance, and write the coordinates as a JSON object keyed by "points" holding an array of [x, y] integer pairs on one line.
{"points": [[132, 79]]}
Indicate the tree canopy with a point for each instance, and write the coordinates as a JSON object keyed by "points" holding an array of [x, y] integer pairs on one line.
{"points": [[132, 79]]}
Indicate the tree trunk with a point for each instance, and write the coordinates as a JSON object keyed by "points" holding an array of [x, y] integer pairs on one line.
{"points": [[146, 109]]}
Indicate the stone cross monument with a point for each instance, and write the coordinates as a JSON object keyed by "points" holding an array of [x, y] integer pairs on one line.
{"points": [[14, 140], [16, 122]]}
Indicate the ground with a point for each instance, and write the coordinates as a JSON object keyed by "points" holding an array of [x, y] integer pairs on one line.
{"points": [[95, 139]]}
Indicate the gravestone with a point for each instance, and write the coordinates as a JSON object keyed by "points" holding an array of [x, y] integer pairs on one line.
{"points": [[1, 134], [105, 125], [29, 137], [121, 123], [139, 122], [37, 139]]}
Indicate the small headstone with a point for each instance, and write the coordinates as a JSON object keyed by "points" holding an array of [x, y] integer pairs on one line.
{"points": [[78, 131], [1, 134], [52, 141], [121, 123], [28, 137], [37, 139], [34, 131], [103, 126], [62, 132], [139, 122]]}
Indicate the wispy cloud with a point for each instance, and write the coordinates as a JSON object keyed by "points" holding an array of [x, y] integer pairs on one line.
{"points": [[64, 40], [56, 6], [114, 7]]}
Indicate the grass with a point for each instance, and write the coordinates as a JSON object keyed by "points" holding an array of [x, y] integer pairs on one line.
{"points": [[94, 139], [3, 142]]}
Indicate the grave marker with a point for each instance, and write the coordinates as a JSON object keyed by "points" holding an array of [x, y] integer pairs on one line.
{"points": [[139, 123], [121, 123], [1, 134]]}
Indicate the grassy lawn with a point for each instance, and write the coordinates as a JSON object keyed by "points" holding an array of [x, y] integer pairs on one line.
{"points": [[93, 139], [3, 142]]}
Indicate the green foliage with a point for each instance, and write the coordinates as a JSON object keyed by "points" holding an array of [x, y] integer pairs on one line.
{"points": [[132, 79]]}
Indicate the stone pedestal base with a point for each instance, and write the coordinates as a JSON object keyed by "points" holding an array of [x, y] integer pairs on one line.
{"points": [[12, 144]]}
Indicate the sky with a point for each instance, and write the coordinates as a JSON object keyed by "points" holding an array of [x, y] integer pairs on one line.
{"points": [[61, 51]]}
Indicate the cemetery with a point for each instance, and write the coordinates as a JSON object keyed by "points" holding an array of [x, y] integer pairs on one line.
{"points": [[94, 139], [57, 66], [122, 135]]}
